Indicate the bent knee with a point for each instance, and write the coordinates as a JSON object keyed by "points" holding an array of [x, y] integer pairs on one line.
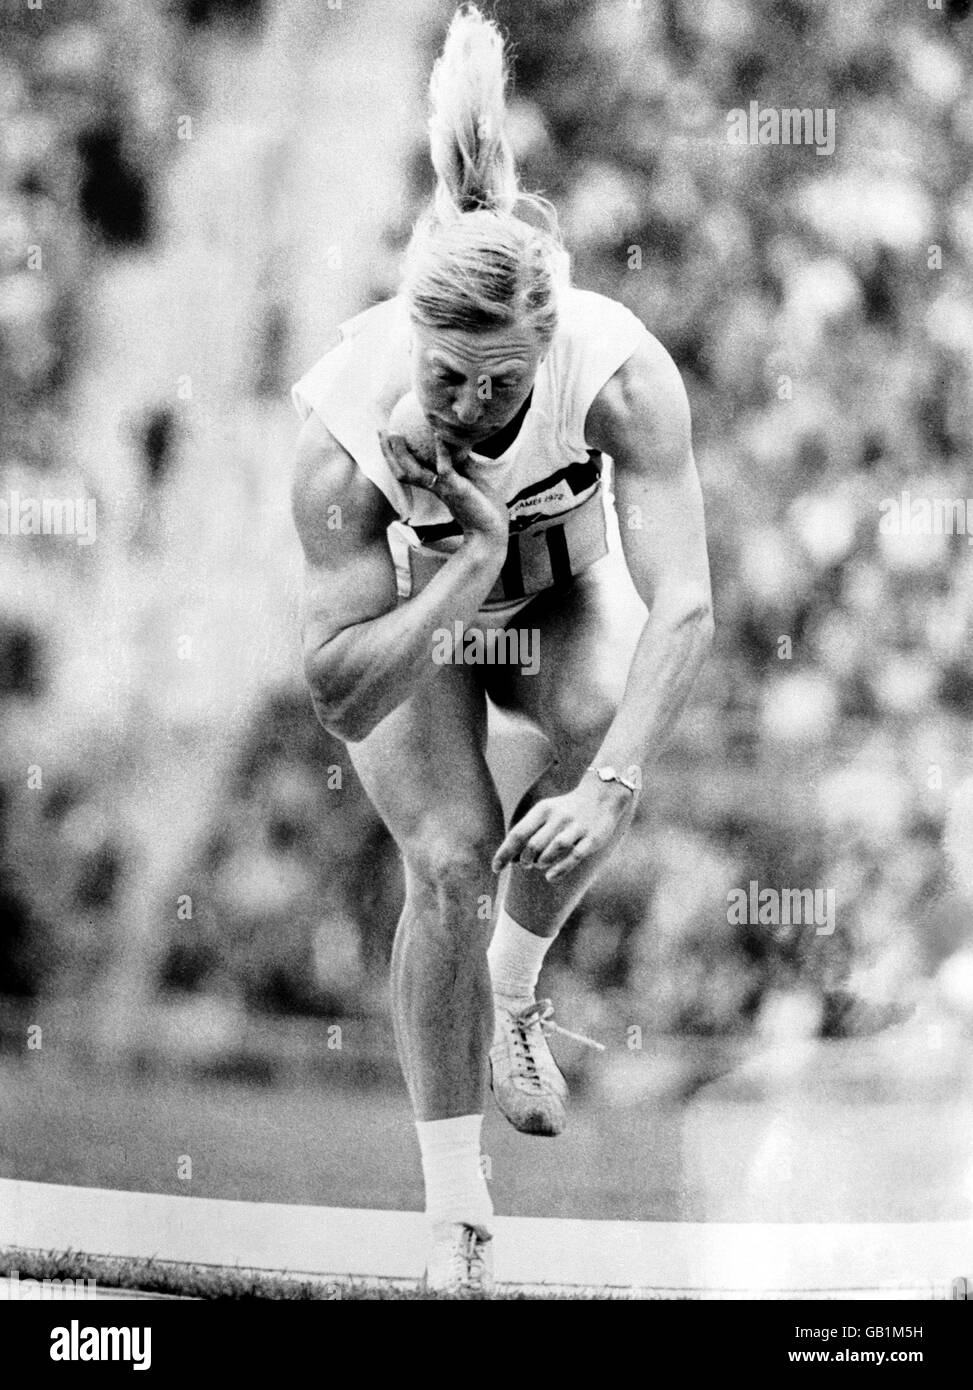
{"points": [[579, 720], [452, 862]]}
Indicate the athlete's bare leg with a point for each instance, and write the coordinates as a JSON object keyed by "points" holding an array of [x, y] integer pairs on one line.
{"points": [[423, 768], [587, 638]]}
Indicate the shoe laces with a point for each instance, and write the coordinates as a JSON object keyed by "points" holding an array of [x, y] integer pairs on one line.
{"points": [[469, 1258], [539, 1014]]}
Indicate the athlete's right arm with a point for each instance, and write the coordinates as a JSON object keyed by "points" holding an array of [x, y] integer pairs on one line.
{"points": [[364, 652]]}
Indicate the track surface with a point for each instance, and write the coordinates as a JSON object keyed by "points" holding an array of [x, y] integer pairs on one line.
{"points": [[711, 1260]]}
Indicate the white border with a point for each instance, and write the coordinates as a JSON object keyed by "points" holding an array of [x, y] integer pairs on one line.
{"points": [[675, 1259]]}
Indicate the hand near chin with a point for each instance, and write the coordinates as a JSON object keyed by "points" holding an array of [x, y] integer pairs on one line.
{"points": [[470, 485]]}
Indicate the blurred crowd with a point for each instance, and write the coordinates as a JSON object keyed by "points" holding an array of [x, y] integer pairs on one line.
{"points": [[820, 311]]}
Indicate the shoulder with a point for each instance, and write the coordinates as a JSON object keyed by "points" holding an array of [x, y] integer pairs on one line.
{"points": [[643, 402], [368, 352], [347, 395], [587, 316], [595, 336]]}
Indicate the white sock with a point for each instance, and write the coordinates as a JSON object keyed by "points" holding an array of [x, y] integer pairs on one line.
{"points": [[456, 1188], [515, 957]]}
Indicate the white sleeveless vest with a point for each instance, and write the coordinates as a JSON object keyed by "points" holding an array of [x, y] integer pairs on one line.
{"points": [[553, 470]]}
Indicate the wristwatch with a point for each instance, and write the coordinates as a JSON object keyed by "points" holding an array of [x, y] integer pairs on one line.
{"points": [[609, 774]]}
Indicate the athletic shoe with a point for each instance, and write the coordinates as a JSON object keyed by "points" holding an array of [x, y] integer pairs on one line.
{"points": [[524, 1077], [461, 1261]]}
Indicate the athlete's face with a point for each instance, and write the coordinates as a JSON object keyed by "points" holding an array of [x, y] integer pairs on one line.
{"points": [[470, 385]]}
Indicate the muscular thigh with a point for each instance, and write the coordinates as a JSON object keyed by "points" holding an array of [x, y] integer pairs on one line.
{"points": [[424, 770], [587, 637]]}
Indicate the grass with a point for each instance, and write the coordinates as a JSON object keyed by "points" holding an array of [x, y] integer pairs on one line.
{"points": [[207, 1283], [823, 1145]]}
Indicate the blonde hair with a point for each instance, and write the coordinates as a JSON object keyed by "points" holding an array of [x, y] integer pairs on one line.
{"points": [[473, 263]]}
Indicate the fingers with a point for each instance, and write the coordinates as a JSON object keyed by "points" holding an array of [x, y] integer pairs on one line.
{"points": [[545, 841], [575, 856], [443, 480], [556, 828], [406, 468], [518, 835], [471, 507], [555, 847], [447, 457]]}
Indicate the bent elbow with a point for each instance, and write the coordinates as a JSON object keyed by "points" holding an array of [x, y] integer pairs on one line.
{"points": [[341, 714], [351, 726], [324, 696], [337, 720]]}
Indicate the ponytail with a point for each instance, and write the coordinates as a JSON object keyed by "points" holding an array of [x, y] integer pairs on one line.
{"points": [[473, 262], [470, 151]]}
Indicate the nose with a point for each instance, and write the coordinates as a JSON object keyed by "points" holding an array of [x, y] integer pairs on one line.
{"points": [[467, 407]]}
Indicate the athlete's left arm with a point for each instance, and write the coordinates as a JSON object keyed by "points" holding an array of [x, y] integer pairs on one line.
{"points": [[640, 417]]}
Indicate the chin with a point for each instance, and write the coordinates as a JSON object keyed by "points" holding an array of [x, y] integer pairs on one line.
{"points": [[457, 435], [469, 437]]}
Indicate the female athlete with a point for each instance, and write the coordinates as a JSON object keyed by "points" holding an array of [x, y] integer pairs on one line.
{"points": [[452, 474]]}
